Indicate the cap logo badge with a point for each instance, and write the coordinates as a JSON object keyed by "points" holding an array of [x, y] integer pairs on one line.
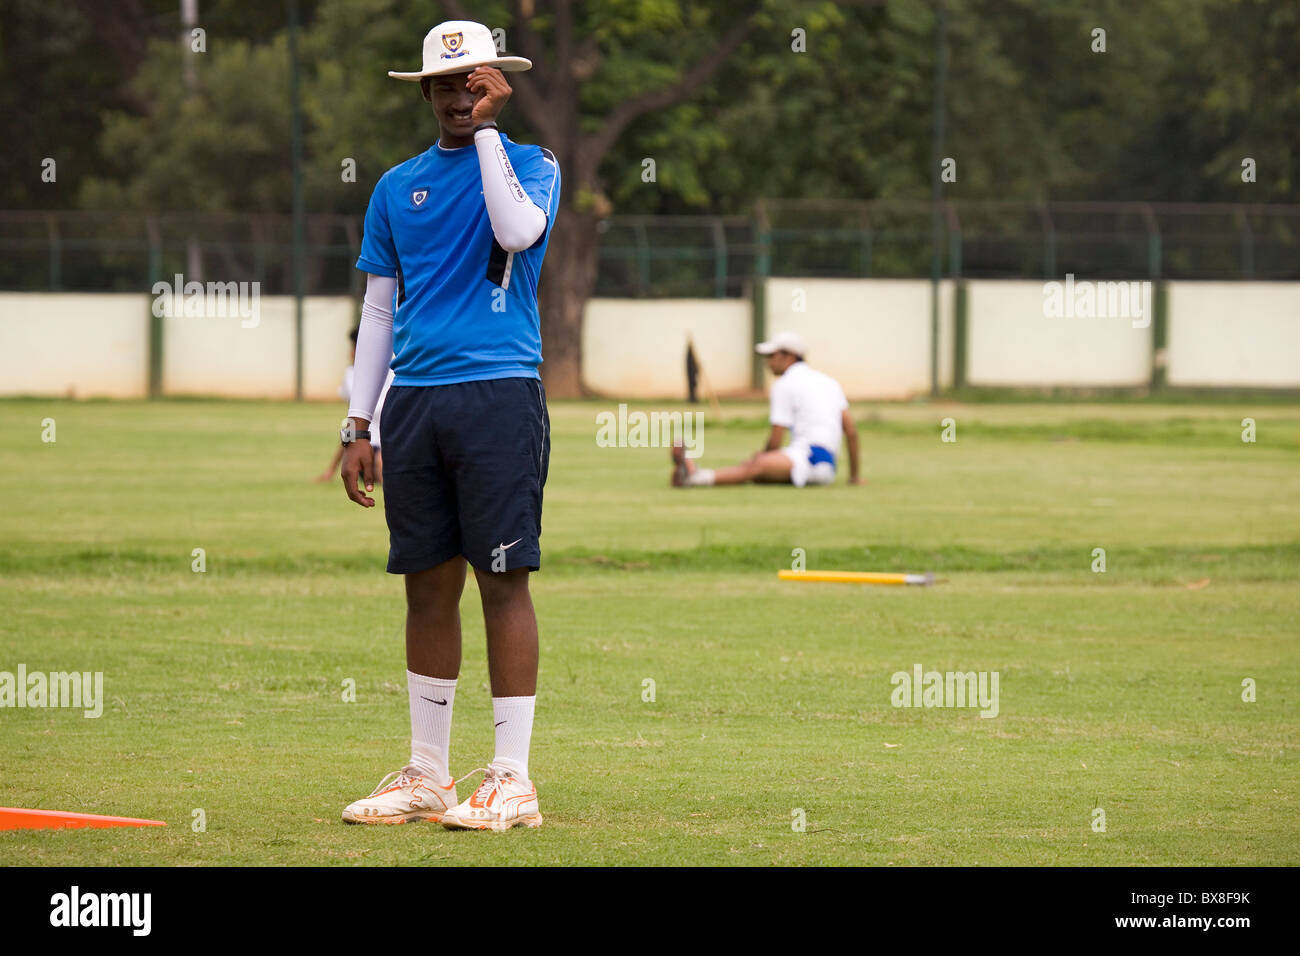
{"points": [[453, 42]]}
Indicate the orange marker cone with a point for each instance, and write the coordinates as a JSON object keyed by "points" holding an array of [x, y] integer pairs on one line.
{"points": [[14, 818]]}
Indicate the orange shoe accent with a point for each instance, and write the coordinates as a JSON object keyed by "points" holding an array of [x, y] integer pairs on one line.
{"points": [[15, 818]]}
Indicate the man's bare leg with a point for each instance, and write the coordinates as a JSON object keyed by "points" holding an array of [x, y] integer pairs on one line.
{"points": [[511, 632], [433, 619], [432, 664], [512, 669], [766, 467]]}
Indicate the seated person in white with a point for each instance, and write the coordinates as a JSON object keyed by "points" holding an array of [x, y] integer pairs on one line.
{"points": [[807, 403]]}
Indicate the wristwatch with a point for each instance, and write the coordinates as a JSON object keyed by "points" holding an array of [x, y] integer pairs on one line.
{"points": [[347, 435], [488, 125]]}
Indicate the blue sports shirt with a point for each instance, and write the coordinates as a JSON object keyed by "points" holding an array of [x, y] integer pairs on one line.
{"points": [[466, 310]]}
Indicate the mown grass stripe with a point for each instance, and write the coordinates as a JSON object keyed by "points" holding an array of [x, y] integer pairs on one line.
{"points": [[1272, 561]]}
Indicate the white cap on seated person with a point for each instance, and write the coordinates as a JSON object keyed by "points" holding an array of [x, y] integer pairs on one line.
{"points": [[790, 342]]}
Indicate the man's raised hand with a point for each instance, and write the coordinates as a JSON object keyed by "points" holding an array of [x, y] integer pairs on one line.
{"points": [[491, 92]]}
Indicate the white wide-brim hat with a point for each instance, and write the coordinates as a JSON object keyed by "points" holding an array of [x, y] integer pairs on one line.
{"points": [[458, 46], [782, 342]]}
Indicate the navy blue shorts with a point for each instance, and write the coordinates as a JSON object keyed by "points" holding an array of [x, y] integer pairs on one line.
{"points": [[464, 467]]}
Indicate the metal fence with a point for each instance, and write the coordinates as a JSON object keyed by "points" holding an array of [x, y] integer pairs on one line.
{"points": [[697, 256]]}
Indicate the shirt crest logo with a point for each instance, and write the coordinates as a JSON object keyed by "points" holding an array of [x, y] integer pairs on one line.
{"points": [[419, 196], [453, 43]]}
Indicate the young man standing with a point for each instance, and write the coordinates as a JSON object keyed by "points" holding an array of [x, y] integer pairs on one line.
{"points": [[811, 406], [455, 237]]}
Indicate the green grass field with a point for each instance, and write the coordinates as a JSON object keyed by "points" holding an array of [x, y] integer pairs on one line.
{"points": [[1119, 690]]}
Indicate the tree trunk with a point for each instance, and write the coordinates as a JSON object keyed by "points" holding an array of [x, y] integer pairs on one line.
{"points": [[568, 279]]}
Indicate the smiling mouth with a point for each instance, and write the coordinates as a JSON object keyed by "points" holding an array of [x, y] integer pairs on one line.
{"points": [[460, 116]]}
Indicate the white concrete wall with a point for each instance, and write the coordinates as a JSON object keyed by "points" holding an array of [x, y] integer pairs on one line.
{"points": [[873, 335], [69, 344], [1010, 342], [870, 335], [636, 348], [1234, 334], [218, 356], [325, 345], [97, 345]]}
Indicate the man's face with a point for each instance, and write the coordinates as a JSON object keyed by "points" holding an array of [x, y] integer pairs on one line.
{"points": [[778, 362], [453, 103]]}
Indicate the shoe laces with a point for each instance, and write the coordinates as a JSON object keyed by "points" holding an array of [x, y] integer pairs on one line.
{"points": [[492, 780], [403, 777]]}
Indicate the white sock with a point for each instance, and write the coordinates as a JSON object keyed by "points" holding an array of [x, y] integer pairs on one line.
{"points": [[701, 476], [431, 700], [513, 717]]}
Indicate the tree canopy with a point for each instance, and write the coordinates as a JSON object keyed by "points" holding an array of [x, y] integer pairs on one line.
{"points": [[1183, 92]]}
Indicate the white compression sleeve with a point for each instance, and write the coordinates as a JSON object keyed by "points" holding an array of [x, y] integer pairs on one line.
{"points": [[374, 346], [517, 221]]}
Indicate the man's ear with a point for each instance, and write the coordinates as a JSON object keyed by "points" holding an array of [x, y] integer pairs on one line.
{"points": [[424, 89]]}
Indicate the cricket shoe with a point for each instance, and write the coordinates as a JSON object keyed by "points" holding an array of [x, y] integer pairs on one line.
{"points": [[404, 795], [502, 800], [682, 466]]}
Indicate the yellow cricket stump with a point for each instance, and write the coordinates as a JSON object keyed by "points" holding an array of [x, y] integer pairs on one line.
{"points": [[856, 577]]}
